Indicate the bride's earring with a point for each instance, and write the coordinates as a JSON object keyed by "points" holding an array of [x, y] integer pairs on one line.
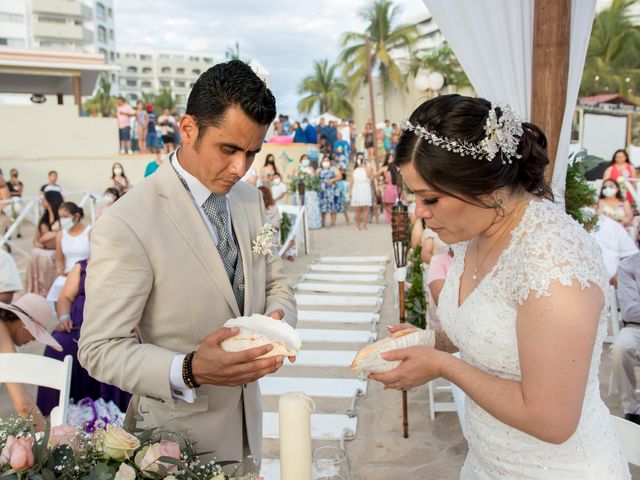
{"points": [[499, 206]]}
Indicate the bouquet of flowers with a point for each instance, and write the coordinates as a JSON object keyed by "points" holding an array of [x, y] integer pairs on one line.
{"points": [[311, 182], [110, 453]]}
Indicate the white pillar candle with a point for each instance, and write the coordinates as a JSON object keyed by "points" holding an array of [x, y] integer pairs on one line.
{"points": [[295, 436]]}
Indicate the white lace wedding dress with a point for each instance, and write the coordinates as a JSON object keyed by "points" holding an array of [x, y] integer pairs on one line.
{"points": [[547, 246]]}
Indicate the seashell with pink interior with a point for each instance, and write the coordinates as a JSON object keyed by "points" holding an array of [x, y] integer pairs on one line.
{"points": [[257, 330], [369, 360]]}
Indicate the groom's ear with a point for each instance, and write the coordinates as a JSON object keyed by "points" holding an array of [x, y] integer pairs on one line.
{"points": [[189, 130]]}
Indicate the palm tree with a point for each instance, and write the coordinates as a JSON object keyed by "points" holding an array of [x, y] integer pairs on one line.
{"points": [[613, 56], [233, 53], [165, 99], [441, 60], [384, 35], [325, 90], [102, 102]]}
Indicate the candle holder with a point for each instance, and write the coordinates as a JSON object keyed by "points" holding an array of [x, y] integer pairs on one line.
{"points": [[400, 241]]}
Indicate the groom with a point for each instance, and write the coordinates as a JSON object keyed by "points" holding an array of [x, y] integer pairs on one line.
{"points": [[173, 260]]}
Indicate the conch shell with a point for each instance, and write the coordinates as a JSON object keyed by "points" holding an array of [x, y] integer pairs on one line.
{"points": [[258, 330], [369, 360]]}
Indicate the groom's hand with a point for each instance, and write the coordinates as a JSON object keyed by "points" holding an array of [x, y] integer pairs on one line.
{"points": [[278, 314], [213, 366]]}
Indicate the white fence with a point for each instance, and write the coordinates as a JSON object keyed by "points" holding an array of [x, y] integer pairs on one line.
{"points": [[299, 233]]}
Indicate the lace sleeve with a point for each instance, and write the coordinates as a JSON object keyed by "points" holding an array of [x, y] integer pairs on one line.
{"points": [[550, 247]]}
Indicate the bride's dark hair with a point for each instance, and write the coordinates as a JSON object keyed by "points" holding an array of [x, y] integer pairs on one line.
{"points": [[465, 177]]}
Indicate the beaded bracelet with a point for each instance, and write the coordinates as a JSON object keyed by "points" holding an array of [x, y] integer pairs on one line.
{"points": [[187, 371]]}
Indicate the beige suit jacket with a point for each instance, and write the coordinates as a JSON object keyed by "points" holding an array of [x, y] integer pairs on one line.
{"points": [[154, 266]]}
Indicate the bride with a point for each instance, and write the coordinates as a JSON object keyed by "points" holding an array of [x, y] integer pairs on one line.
{"points": [[523, 302]]}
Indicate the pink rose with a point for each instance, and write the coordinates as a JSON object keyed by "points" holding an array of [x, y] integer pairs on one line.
{"points": [[147, 458], [64, 435], [18, 453]]}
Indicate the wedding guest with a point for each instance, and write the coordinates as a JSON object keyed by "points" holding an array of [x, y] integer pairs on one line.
{"points": [[311, 195], [70, 307], [186, 232], [619, 169], [268, 170], [152, 134], [20, 323], [626, 346], [615, 245], [387, 131], [125, 112], [251, 177], [15, 185], [390, 188], [72, 245], [524, 301], [434, 280], [110, 196], [153, 165], [168, 124], [119, 179], [345, 192], [51, 184], [330, 198], [367, 135], [299, 136], [41, 272], [10, 282], [270, 209], [360, 187], [142, 122], [279, 190], [309, 131], [376, 191], [612, 204], [5, 206]]}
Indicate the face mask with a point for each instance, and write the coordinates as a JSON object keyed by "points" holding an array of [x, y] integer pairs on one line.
{"points": [[359, 161], [66, 223], [276, 181], [305, 162], [326, 164], [108, 199], [117, 171], [609, 191]]}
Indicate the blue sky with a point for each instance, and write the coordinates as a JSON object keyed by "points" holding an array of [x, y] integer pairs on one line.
{"points": [[286, 36]]}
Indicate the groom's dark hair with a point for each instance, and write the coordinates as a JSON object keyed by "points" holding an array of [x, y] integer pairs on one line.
{"points": [[229, 84]]}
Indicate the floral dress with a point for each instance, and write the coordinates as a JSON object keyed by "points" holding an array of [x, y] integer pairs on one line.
{"points": [[330, 195]]}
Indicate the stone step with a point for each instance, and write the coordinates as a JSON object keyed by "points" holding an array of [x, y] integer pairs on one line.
{"points": [[340, 288], [354, 259], [339, 301], [313, 387], [338, 317], [324, 358], [342, 277], [324, 426], [319, 335], [322, 267]]}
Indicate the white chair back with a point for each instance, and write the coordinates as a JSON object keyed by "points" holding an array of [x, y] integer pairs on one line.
{"points": [[629, 433], [41, 371]]}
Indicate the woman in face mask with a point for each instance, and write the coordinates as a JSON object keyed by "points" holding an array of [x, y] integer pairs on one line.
{"points": [[613, 204], [119, 179], [268, 170], [360, 187], [108, 198], [72, 245], [330, 196]]}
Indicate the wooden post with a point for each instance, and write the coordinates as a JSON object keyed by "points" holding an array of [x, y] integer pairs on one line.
{"points": [[629, 130], [550, 73], [76, 93], [367, 49]]}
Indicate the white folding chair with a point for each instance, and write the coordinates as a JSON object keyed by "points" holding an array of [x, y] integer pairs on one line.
{"points": [[41, 371], [614, 315], [629, 433]]}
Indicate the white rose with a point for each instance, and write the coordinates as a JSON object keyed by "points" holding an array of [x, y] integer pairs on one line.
{"points": [[118, 444], [125, 472]]}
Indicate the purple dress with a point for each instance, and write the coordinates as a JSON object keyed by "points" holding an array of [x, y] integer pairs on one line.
{"points": [[82, 385]]}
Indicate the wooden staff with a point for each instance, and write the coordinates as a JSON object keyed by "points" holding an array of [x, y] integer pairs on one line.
{"points": [[400, 241]]}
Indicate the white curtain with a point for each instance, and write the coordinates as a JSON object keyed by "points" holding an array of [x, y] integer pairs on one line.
{"points": [[493, 39]]}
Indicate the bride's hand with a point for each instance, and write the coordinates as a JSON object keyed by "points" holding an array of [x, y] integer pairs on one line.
{"points": [[419, 365], [401, 326]]}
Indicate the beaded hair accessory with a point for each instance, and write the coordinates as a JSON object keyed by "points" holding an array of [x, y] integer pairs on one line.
{"points": [[501, 135]]}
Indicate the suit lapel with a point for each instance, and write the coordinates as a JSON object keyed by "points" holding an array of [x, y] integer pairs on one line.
{"points": [[177, 204], [240, 223]]}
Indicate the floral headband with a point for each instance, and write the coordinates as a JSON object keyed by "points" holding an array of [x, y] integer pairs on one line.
{"points": [[501, 135]]}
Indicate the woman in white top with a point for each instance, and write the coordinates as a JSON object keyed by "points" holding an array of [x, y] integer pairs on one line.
{"points": [[524, 301], [72, 245], [360, 187]]}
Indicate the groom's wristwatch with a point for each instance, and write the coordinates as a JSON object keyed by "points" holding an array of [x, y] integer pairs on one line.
{"points": [[187, 371]]}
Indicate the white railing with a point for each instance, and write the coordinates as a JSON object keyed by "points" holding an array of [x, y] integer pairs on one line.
{"points": [[299, 230]]}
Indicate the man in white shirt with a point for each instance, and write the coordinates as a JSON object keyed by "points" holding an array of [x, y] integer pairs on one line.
{"points": [[278, 190], [10, 282], [615, 243]]}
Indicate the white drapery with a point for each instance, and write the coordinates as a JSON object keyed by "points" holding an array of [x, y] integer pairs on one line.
{"points": [[493, 39]]}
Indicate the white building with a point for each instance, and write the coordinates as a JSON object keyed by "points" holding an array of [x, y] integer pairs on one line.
{"points": [[148, 69]]}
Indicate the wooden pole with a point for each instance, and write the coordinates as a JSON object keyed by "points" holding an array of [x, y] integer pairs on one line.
{"points": [[550, 73], [76, 93], [405, 402], [367, 52]]}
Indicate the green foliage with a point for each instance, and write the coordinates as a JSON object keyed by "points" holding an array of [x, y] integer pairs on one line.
{"points": [[416, 302], [442, 60], [324, 90], [102, 103], [285, 227], [233, 53], [384, 33], [613, 57], [164, 99], [311, 182], [579, 196]]}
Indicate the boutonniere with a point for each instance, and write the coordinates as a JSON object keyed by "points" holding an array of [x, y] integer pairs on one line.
{"points": [[265, 243]]}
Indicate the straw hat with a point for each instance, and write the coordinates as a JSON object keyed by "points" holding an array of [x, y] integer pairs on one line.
{"points": [[34, 312]]}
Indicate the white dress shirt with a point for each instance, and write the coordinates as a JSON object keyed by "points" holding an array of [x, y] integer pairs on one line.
{"points": [[199, 194]]}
